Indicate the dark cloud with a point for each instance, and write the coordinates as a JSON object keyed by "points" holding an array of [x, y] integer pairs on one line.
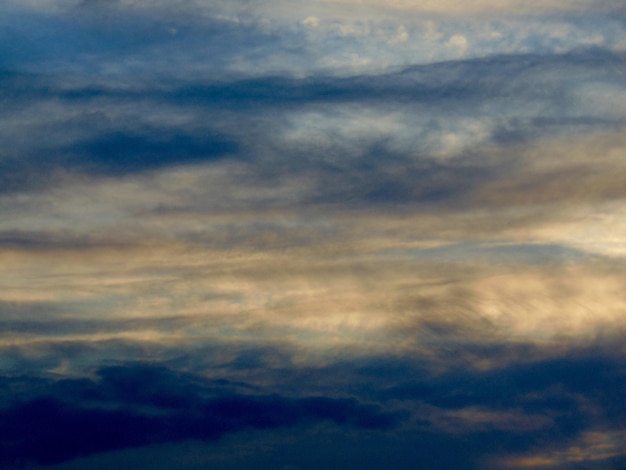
{"points": [[501, 411], [544, 386], [121, 153], [140, 405], [390, 264], [508, 77], [247, 120], [42, 241], [98, 39], [115, 153], [67, 325], [523, 98], [511, 78]]}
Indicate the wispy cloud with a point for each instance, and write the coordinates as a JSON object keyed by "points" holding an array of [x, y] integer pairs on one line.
{"points": [[394, 228]]}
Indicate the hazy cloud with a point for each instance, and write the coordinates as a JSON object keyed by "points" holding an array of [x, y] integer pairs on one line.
{"points": [[393, 234]]}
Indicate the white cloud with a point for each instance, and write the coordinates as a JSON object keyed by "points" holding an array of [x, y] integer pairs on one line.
{"points": [[311, 21], [401, 36], [458, 42]]}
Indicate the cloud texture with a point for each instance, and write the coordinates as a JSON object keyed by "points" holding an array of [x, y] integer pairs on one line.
{"points": [[312, 235]]}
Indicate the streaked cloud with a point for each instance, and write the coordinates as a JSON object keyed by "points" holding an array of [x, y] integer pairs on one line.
{"points": [[591, 447], [392, 232]]}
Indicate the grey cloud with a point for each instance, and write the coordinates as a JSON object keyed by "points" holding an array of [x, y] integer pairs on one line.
{"points": [[499, 409], [139, 405], [119, 38], [516, 99], [391, 254], [509, 77], [94, 40], [513, 91], [67, 325], [34, 241], [121, 153]]}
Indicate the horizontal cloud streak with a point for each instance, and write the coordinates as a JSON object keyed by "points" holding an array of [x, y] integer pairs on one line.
{"points": [[312, 235], [117, 39], [46, 429], [135, 405]]}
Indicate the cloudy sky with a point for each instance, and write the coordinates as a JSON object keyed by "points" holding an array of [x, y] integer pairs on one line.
{"points": [[312, 234]]}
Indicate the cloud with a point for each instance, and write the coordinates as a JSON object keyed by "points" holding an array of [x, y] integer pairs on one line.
{"points": [[140, 405], [489, 6], [120, 153], [594, 448], [235, 220], [506, 412], [398, 137], [125, 40]]}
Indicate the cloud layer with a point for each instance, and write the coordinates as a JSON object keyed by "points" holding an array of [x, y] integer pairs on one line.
{"points": [[232, 234]]}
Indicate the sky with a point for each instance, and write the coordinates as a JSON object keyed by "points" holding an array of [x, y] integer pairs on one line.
{"points": [[312, 234]]}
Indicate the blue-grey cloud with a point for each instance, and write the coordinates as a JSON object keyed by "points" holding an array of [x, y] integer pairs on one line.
{"points": [[460, 107], [395, 230], [140, 405], [163, 39], [509, 410], [120, 153]]}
